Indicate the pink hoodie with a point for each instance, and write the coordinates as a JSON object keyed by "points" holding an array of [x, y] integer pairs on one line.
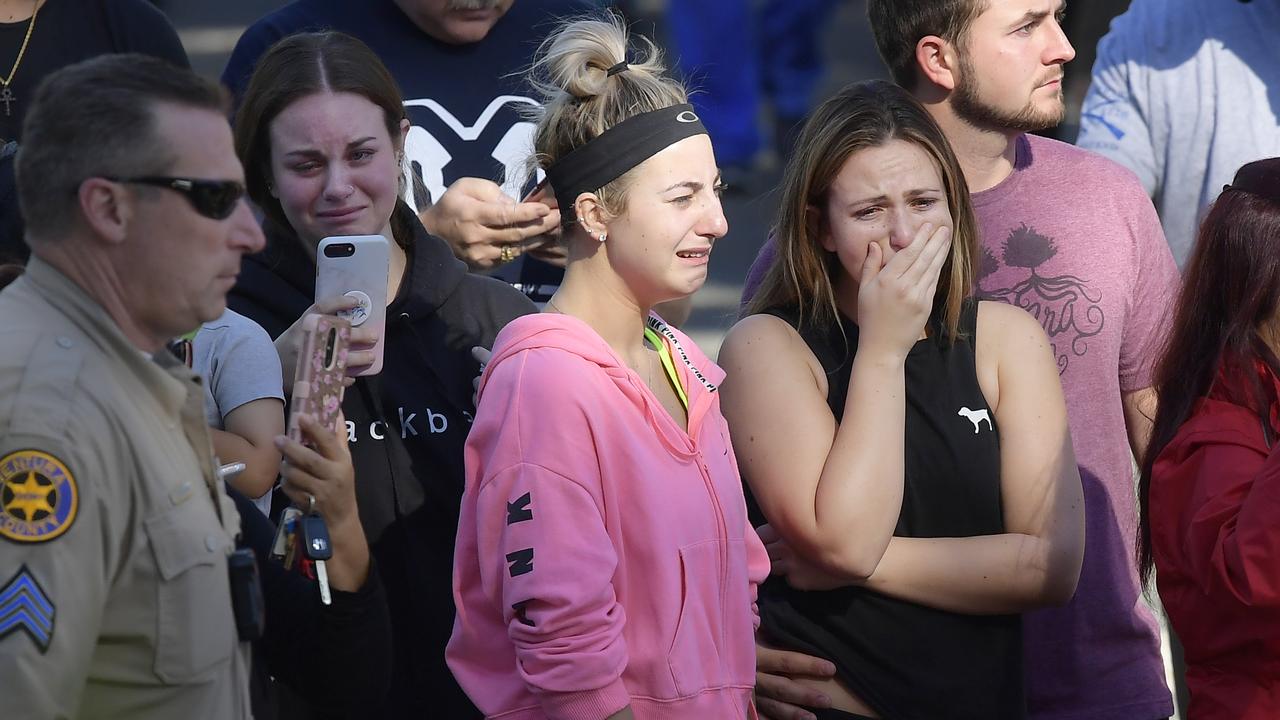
{"points": [[604, 556]]}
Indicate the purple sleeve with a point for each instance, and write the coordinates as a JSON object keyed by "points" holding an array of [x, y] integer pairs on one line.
{"points": [[764, 260], [1154, 290]]}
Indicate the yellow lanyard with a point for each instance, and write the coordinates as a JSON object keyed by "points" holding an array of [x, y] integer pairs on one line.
{"points": [[668, 365]]}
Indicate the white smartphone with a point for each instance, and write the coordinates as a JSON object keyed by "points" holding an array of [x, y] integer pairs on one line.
{"points": [[357, 266]]}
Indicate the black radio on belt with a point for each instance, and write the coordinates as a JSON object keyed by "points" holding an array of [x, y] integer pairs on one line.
{"points": [[247, 602], [246, 594]]}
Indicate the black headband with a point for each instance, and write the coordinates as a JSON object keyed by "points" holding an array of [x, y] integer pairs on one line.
{"points": [[1260, 177], [608, 156]]}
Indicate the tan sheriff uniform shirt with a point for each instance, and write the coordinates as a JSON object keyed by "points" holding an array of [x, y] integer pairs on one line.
{"points": [[114, 594]]}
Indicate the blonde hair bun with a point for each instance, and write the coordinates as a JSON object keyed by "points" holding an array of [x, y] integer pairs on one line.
{"points": [[580, 99]]}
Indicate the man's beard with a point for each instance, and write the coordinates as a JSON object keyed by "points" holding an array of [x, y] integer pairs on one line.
{"points": [[972, 109], [474, 4]]}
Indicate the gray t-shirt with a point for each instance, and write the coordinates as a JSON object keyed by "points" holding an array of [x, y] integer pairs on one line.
{"points": [[239, 364], [1184, 92]]}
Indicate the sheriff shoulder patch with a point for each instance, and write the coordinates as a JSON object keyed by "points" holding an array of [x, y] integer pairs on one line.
{"points": [[25, 606], [38, 497]]}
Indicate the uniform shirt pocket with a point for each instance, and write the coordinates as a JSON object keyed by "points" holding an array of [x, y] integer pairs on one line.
{"points": [[195, 628]]}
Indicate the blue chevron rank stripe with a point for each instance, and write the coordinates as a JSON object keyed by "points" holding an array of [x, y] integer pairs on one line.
{"points": [[25, 606]]}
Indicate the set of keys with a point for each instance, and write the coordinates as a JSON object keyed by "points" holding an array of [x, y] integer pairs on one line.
{"points": [[304, 535]]}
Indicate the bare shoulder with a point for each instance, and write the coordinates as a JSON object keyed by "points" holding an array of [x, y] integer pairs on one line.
{"points": [[1005, 328], [1010, 341], [759, 345], [755, 332]]}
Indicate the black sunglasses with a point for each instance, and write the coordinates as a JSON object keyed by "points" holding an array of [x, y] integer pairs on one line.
{"points": [[214, 199]]}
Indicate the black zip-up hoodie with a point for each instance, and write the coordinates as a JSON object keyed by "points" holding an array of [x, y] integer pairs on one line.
{"points": [[406, 428]]}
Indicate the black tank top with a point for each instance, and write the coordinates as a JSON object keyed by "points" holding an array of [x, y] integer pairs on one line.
{"points": [[905, 660]]}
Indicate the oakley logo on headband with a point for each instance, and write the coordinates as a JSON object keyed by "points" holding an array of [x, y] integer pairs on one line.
{"points": [[608, 156]]}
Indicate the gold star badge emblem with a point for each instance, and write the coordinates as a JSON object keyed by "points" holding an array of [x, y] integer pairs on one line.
{"points": [[38, 497], [31, 497]]}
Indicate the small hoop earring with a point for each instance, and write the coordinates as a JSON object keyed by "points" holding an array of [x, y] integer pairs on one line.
{"points": [[603, 236]]}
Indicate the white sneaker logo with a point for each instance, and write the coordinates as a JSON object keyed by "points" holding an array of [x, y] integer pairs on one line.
{"points": [[976, 417]]}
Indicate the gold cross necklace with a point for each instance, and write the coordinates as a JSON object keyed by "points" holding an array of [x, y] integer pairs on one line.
{"points": [[6, 95]]}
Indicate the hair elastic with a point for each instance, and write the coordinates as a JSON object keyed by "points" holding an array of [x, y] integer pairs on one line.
{"points": [[1260, 177], [612, 153], [620, 67]]}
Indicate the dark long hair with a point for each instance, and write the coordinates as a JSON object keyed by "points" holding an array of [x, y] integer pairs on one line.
{"points": [[294, 68], [1224, 315]]}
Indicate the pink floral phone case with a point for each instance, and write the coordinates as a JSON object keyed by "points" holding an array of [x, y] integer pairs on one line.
{"points": [[318, 386]]}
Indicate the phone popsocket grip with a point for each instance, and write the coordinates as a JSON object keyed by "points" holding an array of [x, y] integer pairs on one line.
{"points": [[358, 314]]}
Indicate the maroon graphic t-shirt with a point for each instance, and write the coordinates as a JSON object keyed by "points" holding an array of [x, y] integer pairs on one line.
{"points": [[1073, 239]]}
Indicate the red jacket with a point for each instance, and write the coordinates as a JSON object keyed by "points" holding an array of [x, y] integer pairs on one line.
{"points": [[1215, 530]]}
